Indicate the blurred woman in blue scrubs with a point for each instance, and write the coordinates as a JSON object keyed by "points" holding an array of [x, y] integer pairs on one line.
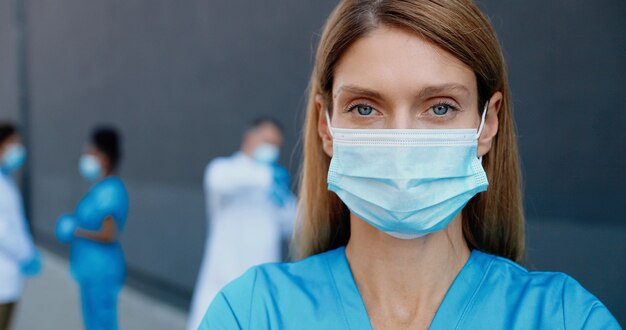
{"points": [[93, 230], [410, 212]]}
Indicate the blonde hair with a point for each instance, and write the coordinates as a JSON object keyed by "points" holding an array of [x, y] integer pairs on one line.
{"points": [[493, 221]]}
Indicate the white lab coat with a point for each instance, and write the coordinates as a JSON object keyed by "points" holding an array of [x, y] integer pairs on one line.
{"points": [[245, 226], [16, 244]]}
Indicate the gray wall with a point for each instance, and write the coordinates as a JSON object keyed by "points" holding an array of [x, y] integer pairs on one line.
{"points": [[8, 74], [567, 66], [567, 63], [181, 79]]}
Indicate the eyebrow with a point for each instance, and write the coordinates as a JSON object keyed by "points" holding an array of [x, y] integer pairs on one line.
{"points": [[357, 90], [423, 94], [435, 90]]}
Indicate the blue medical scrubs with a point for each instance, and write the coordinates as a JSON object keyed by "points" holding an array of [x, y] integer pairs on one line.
{"points": [[489, 293], [99, 268]]}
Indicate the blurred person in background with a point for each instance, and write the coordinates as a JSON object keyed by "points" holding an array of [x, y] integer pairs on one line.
{"points": [[93, 231], [18, 254], [410, 212], [250, 209]]}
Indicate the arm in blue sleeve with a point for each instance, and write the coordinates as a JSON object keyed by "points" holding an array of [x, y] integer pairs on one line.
{"points": [[582, 310], [599, 317], [220, 315], [231, 308]]}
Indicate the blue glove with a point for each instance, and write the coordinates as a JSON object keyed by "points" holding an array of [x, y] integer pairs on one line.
{"points": [[32, 267], [279, 191], [66, 225], [280, 176]]}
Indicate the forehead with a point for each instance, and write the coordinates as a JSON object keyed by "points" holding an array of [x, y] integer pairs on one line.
{"points": [[90, 148], [398, 61], [13, 138], [268, 128]]}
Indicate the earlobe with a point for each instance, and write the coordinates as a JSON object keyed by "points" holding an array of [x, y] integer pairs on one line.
{"points": [[323, 129], [490, 130]]}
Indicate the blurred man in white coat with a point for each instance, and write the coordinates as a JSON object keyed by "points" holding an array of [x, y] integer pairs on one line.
{"points": [[18, 255], [250, 209]]}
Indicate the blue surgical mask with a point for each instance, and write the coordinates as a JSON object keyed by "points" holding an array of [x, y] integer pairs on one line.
{"points": [[266, 153], [14, 158], [406, 182], [90, 167]]}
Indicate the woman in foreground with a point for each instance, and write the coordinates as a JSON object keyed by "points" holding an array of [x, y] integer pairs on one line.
{"points": [[410, 211]]}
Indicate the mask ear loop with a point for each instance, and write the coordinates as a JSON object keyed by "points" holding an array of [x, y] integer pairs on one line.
{"points": [[482, 120], [482, 125], [330, 128]]}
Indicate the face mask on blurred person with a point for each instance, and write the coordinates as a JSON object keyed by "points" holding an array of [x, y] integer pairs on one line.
{"points": [[90, 167], [266, 153], [407, 183], [14, 158]]}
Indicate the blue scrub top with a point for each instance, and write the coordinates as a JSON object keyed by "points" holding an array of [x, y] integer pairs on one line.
{"points": [[96, 261], [320, 293]]}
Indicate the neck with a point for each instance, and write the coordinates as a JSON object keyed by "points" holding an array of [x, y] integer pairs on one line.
{"points": [[106, 175], [403, 282]]}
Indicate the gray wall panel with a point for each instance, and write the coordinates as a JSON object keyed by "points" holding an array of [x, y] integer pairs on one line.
{"points": [[8, 74], [167, 233], [567, 64]]}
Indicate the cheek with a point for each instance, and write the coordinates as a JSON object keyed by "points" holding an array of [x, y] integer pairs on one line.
{"points": [[104, 161], [468, 119]]}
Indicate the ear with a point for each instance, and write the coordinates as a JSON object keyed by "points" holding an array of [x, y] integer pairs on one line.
{"points": [[323, 125], [491, 124]]}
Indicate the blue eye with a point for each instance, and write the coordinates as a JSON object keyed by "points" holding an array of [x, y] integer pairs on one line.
{"points": [[364, 110], [441, 109]]}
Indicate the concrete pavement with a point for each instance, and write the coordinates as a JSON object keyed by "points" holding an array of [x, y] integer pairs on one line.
{"points": [[51, 301]]}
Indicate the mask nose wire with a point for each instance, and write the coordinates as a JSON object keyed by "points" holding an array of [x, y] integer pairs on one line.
{"points": [[482, 120], [330, 128]]}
